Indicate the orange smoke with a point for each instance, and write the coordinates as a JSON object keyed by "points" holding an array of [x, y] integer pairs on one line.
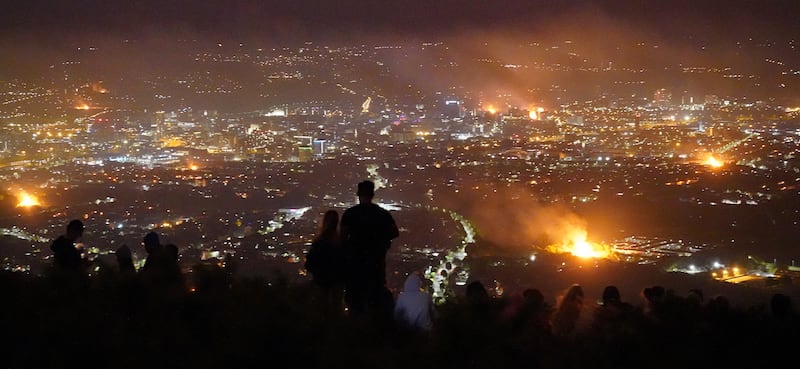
{"points": [[514, 219]]}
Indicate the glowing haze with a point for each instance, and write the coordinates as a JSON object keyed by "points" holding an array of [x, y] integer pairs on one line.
{"points": [[514, 219]]}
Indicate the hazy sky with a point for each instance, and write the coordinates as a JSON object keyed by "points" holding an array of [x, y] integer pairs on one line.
{"points": [[320, 19]]}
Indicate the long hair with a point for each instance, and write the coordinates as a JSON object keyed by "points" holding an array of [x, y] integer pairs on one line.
{"points": [[329, 227], [572, 296]]}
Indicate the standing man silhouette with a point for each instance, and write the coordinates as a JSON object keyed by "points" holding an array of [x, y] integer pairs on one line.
{"points": [[69, 267], [65, 255], [367, 231]]}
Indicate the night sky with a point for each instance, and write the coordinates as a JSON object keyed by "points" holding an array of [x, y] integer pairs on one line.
{"points": [[242, 20]]}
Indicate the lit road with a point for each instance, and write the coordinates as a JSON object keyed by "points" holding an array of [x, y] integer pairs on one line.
{"points": [[442, 273]]}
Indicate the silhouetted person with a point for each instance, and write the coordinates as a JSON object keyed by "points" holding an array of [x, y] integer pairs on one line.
{"points": [[612, 312], [478, 300], [718, 304], [535, 315], [325, 261], [568, 311], [154, 249], [476, 293], [414, 306], [172, 269], [781, 305], [511, 304], [653, 303], [70, 269], [367, 231], [696, 296], [783, 324], [172, 275], [66, 255], [157, 268], [125, 260]]}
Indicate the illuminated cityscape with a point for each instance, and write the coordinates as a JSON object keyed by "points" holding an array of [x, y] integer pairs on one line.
{"points": [[219, 180], [520, 159]]}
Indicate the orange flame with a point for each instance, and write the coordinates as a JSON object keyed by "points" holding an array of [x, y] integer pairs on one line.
{"points": [[576, 243], [713, 162], [27, 200]]}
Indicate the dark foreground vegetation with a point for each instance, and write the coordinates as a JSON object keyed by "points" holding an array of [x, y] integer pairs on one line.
{"points": [[217, 321]]}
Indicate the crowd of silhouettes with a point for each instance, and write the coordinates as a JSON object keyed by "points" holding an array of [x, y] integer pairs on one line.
{"points": [[347, 257], [249, 321]]}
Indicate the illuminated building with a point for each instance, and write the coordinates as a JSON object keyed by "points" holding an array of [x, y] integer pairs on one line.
{"points": [[403, 136], [319, 146], [453, 109], [305, 153], [159, 119], [575, 120], [712, 100]]}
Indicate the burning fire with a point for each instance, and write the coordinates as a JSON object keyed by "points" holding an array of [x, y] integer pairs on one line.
{"points": [[27, 200], [713, 162], [576, 243], [535, 112]]}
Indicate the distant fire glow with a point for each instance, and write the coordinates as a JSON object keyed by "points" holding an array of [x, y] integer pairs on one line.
{"points": [[534, 113], [713, 162], [577, 244], [27, 200]]}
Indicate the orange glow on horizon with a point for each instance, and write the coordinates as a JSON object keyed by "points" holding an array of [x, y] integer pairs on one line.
{"points": [[535, 113], [83, 107], [27, 200], [577, 244], [491, 110], [713, 162]]}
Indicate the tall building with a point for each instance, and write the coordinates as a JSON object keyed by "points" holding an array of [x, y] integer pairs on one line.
{"points": [[160, 121]]}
